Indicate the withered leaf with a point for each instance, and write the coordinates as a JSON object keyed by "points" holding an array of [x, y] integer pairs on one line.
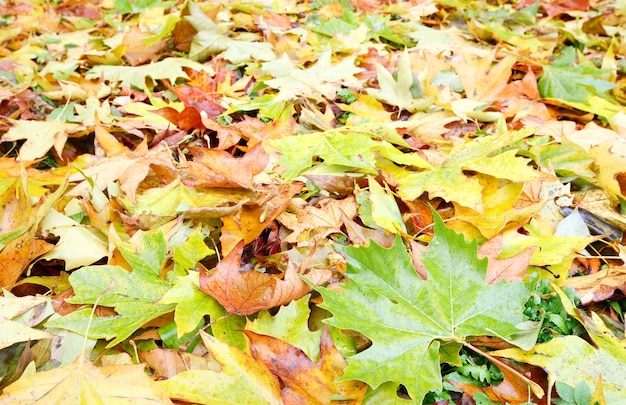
{"points": [[247, 292], [306, 382], [599, 286]]}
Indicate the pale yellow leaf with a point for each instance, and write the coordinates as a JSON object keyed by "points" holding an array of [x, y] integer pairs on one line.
{"points": [[77, 245], [13, 332], [84, 383], [40, 136]]}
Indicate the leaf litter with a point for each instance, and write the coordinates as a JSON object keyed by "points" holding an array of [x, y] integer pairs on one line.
{"points": [[333, 201]]}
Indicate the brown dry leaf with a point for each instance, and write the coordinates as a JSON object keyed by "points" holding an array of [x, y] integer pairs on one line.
{"points": [[129, 168], [84, 383], [168, 362], [509, 269], [224, 170], [306, 382], [361, 235], [247, 292], [251, 220], [599, 286], [316, 222]]}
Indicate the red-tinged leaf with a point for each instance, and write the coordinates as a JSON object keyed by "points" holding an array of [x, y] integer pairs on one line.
{"points": [[509, 269], [247, 292], [558, 7], [600, 286], [187, 119], [527, 87], [306, 382], [80, 10], [199, 98]]}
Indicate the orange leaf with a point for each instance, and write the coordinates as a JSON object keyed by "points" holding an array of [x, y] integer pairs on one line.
{"points": [[247, 292], [137, 51], [187, 120], [247, 224], [17, 255], [306, 382], [19, 216], [315, 222], [224, 169]]}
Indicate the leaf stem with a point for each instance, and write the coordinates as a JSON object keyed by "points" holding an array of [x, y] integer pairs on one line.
{"points": [[534, 387]]}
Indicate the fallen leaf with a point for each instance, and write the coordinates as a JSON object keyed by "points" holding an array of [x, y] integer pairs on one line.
{"points": [[599, 286], [241, 379], [82, 382], [316, 222], [20, 245], [77, 246], [570, 359], [245, 292], [134, 295], [406, 317], [306, 382], [509, 269], [137, 50], [130, 76], [14, 331], [512, 389], [217, 168], [248, 223], [40, 136], [290, 324], [130, 169], [398, 92], [188, 119], [451, 182], [481, 80]]}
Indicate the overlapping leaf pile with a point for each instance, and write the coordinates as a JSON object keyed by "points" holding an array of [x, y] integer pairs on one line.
{"points": [[312, 201]]}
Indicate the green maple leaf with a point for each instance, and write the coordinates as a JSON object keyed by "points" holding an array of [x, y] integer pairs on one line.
{"points": [[134, 295], [408, 319], [572, 82]]}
